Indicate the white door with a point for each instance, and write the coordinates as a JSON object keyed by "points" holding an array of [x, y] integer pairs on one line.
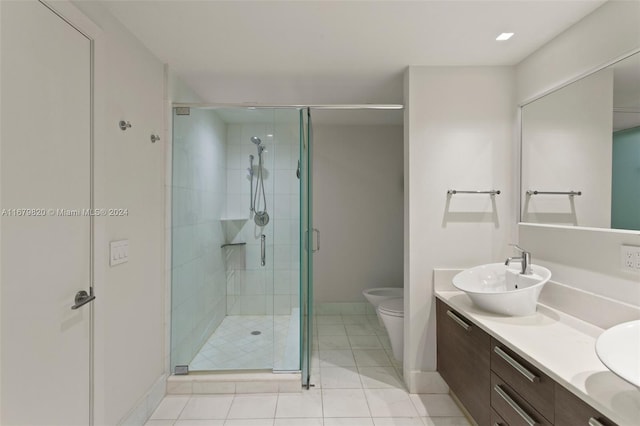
{"points": [[45, 255]]}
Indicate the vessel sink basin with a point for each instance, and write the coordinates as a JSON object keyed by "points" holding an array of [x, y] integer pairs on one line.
{"points": [[619, 350], [502, 289]]}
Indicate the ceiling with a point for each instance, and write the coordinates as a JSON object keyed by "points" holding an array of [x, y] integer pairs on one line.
{"points": [[334, 52]]}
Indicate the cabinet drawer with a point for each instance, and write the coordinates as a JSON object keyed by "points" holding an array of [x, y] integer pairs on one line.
{"points": [[496, 420], [463, 361], [572, 411], [512, 407], [533, 385], [461, 328]]}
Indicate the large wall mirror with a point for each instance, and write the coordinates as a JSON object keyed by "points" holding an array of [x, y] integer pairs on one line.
{"points": [[581, 151]]}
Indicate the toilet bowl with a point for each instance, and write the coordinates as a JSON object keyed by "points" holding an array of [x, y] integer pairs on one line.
{"points": [[375, 296], [391, 311]]}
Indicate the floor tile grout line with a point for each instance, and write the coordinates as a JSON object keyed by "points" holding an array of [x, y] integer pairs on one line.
{"points": [[183, 408]]}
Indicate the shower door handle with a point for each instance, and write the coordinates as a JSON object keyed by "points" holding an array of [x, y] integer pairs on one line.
{"points": [[317, 231], [263, 250]]}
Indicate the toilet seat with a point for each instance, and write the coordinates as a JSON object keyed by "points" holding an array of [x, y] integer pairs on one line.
{"points": [[392, 307]]}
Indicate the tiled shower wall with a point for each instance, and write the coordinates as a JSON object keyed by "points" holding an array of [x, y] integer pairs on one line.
{"points": [[198, 268], [251, 288]]}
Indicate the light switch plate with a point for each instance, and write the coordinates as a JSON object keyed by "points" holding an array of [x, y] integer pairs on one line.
{"points": [[119, 252]]}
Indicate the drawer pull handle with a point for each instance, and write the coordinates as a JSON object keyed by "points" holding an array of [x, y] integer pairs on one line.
{"points": [[594, 422], [527, 418], [515, 364], [462, 323]]}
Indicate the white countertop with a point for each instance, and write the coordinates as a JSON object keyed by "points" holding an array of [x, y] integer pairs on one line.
{"points": [[563, 347]]}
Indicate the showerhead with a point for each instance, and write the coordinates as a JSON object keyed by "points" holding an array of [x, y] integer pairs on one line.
{"points": [[256, 140]]}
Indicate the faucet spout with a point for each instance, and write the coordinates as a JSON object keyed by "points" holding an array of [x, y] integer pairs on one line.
{"points": [[525, 261]]}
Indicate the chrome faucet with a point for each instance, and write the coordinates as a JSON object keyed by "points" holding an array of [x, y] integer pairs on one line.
{"points": [[525, 260]]}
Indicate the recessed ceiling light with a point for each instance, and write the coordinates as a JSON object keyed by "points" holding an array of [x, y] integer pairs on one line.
{"points": [[504, 36], [269, 135]]}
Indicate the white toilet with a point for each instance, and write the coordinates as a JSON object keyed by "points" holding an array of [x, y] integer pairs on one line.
{"points": [[392, 313], [375, 296], [389, 304]]}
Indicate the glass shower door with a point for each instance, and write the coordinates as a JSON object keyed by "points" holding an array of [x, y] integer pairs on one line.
{"points": [[223, 228], [306, 246]]}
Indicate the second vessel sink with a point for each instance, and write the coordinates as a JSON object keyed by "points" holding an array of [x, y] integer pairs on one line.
{"points": [[619, 350], [501, 289]]}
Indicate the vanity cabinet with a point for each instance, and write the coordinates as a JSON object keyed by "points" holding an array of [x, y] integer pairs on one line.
{"points": [[497, 386], [464, 361], [514, 408], [496, 420], [572, 411], [523, 378]]}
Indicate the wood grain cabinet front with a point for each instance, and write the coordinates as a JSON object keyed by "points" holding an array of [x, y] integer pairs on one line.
{"points": [[464, 361], [572, 411], [512, 407], [534, 386], [496, 420]]}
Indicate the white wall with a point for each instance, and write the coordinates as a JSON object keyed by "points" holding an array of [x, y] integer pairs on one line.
{"points": [[607, 33], [358, 208], [129, 173], [587, 259], [307, 89], [253, 289], [458, 135], [583, 258], [567, 145]]}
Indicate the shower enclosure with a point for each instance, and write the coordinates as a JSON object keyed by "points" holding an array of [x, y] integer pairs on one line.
{"points": [[240, 284]]}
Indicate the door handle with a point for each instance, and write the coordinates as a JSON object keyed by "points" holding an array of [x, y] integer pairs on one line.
{"points": [[82, 298], [263, 250]]}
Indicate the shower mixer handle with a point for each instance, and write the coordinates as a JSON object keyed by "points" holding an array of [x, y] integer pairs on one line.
{"points": [[263, 250]]}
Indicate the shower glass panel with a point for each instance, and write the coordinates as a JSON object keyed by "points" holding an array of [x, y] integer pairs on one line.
{"points": [[235, 221]]}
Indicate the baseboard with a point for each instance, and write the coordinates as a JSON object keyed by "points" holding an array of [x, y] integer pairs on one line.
{"points": [[344, 308], [146, 405], [234, 382], [426, 382]]}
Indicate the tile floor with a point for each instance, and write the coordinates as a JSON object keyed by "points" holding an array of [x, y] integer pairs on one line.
{"points": [[357, 383]]}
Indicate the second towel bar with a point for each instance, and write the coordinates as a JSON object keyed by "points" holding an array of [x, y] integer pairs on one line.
{"points": [[570, 193], [490, 192]]}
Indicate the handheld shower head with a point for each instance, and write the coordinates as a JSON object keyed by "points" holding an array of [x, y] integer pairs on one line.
{"points": [[256, 140]]}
